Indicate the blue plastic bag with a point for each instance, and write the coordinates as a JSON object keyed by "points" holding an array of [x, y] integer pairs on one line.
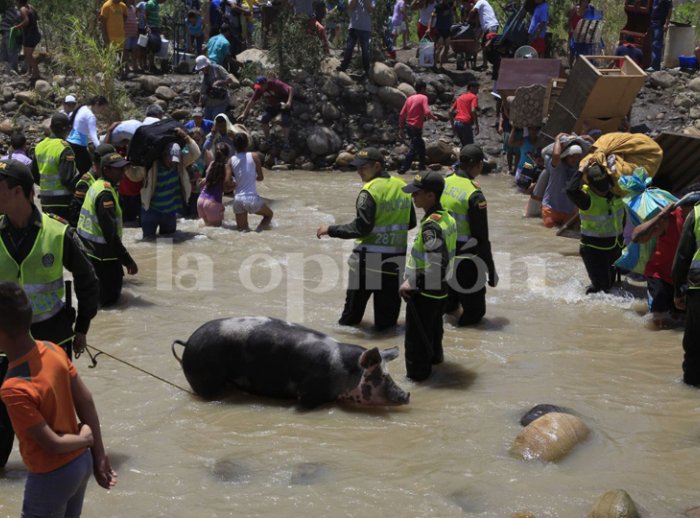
{"points": [[643, 203]]}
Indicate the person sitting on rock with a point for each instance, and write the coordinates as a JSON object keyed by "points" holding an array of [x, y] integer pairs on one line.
{"points": [[278, 97]]}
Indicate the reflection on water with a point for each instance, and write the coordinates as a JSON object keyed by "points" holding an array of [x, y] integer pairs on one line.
{"points": [[445, 454]]}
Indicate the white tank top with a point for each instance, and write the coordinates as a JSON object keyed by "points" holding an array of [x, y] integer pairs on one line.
{"points": [[244, 173]]}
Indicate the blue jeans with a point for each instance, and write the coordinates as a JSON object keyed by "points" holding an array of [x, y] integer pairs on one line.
{"points": [[464, 132], [416, 147], [657, 44], [353, 37], [59, 492], [151, 219]]}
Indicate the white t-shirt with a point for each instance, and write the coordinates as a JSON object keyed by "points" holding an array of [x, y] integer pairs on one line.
{"points": [[244, 173], [487, 16]]}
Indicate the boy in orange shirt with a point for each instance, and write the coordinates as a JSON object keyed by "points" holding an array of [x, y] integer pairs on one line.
{"points": [[43, 393]]}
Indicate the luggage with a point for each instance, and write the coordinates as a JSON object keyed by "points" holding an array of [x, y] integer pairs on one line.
{"points": [[149, 142], [643, 203]]}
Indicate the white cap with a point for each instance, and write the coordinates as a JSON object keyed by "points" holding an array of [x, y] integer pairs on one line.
{"points": [[70, 99], [572, 150], [201, 62]]}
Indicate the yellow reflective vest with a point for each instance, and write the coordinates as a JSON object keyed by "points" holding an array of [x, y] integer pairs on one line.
{"points": [[392, 216], [455, 200], [88, 226], [419, 259], [604, 218], [41, 272]]}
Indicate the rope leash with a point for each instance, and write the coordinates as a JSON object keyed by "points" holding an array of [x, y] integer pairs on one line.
{"points": [[93, 360]]}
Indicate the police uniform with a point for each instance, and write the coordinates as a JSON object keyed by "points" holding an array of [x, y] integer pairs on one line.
{"points": [[54, 167], [34, 257], [686, 280], [427, 268], [602, 224], [380, 229], [100, 228], [463, 199], [85, 182]]}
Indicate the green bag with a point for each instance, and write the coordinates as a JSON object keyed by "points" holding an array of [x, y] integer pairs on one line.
{"points": [[15, 39]]}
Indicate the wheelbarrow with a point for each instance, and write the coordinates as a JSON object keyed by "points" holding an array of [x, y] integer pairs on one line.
{"points": [[464, 42]]}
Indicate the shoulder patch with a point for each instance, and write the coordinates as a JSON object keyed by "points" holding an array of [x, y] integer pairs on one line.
{"points": [[482, 204], [430, 239], [108, 204], [108, 185], [435, 216], [476, 184], [362, 198], [57, 218], [70, 158]]}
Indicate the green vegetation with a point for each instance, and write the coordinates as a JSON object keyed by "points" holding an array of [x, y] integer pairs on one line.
{"points": [[97, 68], [293, 43]]}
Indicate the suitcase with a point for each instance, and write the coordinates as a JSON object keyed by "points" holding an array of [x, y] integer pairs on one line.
{"points": [[149, 141]]}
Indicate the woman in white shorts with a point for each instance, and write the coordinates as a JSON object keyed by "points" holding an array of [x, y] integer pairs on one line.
{"points": [[246, 169]]}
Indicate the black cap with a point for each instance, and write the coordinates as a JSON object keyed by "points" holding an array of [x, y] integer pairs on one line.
{"points": [[60, 122], [471, 152], [366, 155], [17, 170], [114, 160], [429, 181]]}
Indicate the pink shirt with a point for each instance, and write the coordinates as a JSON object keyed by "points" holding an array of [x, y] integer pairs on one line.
{"points": [[414, 111]]}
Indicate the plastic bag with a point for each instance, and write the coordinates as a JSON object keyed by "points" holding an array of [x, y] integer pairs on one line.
{"points": [[426, 53], [643, 203]]}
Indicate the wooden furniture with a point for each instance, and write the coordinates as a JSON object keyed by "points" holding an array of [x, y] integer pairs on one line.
{"points": [[598, 93]]}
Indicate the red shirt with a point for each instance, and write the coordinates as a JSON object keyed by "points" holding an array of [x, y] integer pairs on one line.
{"points": [[661, 261], [414, 111], [464, 105], [276, 92]]}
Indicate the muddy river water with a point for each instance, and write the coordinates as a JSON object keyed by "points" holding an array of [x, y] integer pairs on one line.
{"points": [[445, 454]]}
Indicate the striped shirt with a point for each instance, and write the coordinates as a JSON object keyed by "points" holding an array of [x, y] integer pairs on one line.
{"points": [[131, 28], [167, 198]]}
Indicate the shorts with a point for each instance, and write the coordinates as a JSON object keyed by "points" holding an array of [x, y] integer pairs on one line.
{"points": [[552, 217], [440, 33], [250, 203], [30, 39], [272, 111], [211, 211], [659, 295], [398, 29], [130, 42]]}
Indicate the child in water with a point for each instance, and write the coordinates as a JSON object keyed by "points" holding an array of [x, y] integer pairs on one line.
{"points": [[210, 205], [245, 167]]}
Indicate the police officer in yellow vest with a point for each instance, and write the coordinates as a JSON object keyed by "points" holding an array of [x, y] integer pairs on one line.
{"points": [[34, 249], [474, 265], [380, 229], [54, 168], [602, 222], [686, 288], [86, 181], [100, 228], [425, 286]]}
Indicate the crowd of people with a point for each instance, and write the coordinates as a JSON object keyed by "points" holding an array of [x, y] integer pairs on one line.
{"points": [[89, 190]]}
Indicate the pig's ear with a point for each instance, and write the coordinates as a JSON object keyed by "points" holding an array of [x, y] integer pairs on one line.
{"points": [[390, 354], [370, 357]]}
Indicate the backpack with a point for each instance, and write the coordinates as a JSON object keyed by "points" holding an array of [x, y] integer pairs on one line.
{"points": [[149, 142]]}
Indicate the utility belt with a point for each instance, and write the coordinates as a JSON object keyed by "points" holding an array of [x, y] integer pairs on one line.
{"points": [[385, 263]]}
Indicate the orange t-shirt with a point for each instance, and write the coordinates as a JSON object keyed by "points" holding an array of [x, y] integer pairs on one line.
{"points": [[37, 389]]}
